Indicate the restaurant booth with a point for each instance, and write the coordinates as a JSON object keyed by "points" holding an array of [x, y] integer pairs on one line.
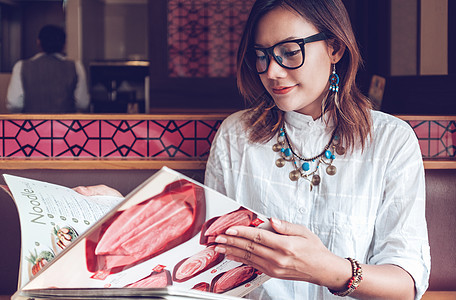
{"points": [[165, 110], [125, 149]]}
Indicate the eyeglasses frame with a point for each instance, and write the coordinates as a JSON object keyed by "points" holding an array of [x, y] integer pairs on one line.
{"points": [[301, 42]]}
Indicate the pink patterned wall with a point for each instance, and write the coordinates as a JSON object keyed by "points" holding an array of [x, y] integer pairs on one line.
{"points": [[106, 138], [203, 36], [158, 138]]}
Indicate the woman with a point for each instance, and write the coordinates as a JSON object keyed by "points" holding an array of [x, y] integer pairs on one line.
{"points": [[337, 179]]}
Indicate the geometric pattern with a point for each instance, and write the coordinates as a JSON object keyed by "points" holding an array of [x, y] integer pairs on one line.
{"points": [[437, 139], [107, 138], [159, 138], [203, 36]]}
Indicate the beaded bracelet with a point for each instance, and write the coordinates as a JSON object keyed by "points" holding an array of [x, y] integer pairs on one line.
{"points": [[354, 281]]}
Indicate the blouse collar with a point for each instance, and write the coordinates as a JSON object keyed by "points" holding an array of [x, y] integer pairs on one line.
{"points": [[301, 121]]}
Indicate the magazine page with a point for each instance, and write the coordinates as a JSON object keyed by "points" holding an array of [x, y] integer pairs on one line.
{"points": [[170, 293], [161, 235], [51, 217]]}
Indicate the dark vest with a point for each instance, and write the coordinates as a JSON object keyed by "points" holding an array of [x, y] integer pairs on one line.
{"points": [[49, 83]]}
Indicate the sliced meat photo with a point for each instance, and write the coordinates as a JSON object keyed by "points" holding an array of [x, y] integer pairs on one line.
{"points": [[233, 278], [155, 280], [202, 286], [218, 225], [148, 228], [194, 265]]}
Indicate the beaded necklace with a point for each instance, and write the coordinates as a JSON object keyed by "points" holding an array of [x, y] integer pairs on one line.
{"points": [[302, 165]]}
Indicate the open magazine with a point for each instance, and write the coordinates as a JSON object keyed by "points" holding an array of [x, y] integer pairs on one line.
{"points": [[157, 243]]}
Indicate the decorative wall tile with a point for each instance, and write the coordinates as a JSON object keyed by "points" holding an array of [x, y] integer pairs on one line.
{"points": [[203, 36], [437, 138], [107, 138], [158, 138], [26, 138]]}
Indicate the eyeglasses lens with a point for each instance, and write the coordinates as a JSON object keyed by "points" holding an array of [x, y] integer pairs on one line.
{"points": [[262, 60], [288, 55]]}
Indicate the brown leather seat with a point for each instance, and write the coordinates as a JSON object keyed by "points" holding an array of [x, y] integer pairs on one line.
{"points": [[441, 220]]}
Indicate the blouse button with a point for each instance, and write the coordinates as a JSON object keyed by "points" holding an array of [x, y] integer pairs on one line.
{"points": [[302, 210]]}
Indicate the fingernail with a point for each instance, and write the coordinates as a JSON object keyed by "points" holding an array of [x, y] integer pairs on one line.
{"points": [[220, 239], [231, 231], [276, 221], [219, 249]]}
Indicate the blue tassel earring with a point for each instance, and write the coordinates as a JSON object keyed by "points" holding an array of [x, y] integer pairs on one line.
{"points": [[334, 87], [334, 81]]}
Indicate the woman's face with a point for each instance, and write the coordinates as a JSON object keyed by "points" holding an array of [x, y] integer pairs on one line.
{"points": [[303, 89]]}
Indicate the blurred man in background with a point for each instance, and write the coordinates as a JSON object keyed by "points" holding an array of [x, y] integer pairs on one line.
{"points": [[48, 82]]}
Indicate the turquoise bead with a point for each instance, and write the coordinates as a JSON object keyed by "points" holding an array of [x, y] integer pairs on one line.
{"points": [[306, 166], [333, 156], [287, 152], [328, 154]]}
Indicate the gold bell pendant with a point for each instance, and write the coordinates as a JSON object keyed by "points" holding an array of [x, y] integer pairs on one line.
{"points": [[340, 150], [331, 170], [295, 175], [316, 179], [276, 147], [280, 162]]}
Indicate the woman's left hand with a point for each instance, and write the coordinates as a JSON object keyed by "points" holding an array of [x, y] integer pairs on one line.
{"points": [[293, 252], [97, 190]]}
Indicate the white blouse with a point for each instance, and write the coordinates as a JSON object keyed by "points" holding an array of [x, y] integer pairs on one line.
{"points": [[372, 209]]}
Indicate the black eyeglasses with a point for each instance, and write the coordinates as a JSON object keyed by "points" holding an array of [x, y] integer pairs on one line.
{"points": [[288, 54]]}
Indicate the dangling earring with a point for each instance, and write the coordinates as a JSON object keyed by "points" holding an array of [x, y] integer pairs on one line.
{"points": [[334, 86], [334, 81]]}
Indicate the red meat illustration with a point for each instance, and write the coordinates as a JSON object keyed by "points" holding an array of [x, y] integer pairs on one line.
{"points": [[196, 264], [202, 286], [218, 225], [148, 228], [128, 234], [233, 278], [154, 280]]}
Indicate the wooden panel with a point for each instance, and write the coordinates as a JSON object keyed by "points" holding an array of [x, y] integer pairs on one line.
{"points": [[439, 164], [404, 26], [439, 295], [172, 115], [434, 37], [146, 164], [107, 164]]}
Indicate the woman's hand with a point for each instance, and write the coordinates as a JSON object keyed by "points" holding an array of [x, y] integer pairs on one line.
{"points": [[97, 190], [294, 252]]}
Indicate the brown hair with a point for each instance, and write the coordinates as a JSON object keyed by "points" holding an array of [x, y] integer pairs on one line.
{"points": [[352, 115]]}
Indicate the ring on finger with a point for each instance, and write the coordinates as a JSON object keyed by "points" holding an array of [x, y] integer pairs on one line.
{"points": [[250, 247]]}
